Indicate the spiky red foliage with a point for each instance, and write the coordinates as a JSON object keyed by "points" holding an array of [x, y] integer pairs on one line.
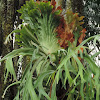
{"points": [[69, 26], [65, 34], [82, 36]]}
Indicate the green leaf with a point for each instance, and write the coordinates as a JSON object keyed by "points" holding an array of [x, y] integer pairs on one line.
{"points": [[27, 89], [9, 37], [81, 90], [92, 66], [67, 75], [18, 82], [10, 69], [30, 89], [96, 71], [81, 67], [96, 54], [53, 93], [90, 38], [16, 52], [39, 82]]}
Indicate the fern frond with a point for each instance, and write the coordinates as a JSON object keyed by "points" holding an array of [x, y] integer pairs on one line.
{"points": [[42, 22]]}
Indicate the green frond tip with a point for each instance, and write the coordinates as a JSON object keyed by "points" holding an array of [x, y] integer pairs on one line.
{"points": [[10, 69], [18, 82]]}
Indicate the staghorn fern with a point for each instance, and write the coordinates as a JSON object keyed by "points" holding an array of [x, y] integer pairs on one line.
{"points": [[49, 63], [42, 21]]}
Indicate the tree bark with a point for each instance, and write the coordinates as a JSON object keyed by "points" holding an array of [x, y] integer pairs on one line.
{"points": [[7, 25], [3, 13], [77, 6], [9, 14]]}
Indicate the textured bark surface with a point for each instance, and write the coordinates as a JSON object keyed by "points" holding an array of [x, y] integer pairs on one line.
{"points": [[77, 6], [9, 15], [7, 23], [0, 35]]}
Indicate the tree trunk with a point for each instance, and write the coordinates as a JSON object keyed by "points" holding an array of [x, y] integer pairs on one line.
{"points": [[77, 6], [7, 24], [9, 14]]}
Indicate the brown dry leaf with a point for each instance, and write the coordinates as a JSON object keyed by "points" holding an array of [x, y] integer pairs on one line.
{"points": [[79, 58], [82, 36], [64, 33], [81, 50]]}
